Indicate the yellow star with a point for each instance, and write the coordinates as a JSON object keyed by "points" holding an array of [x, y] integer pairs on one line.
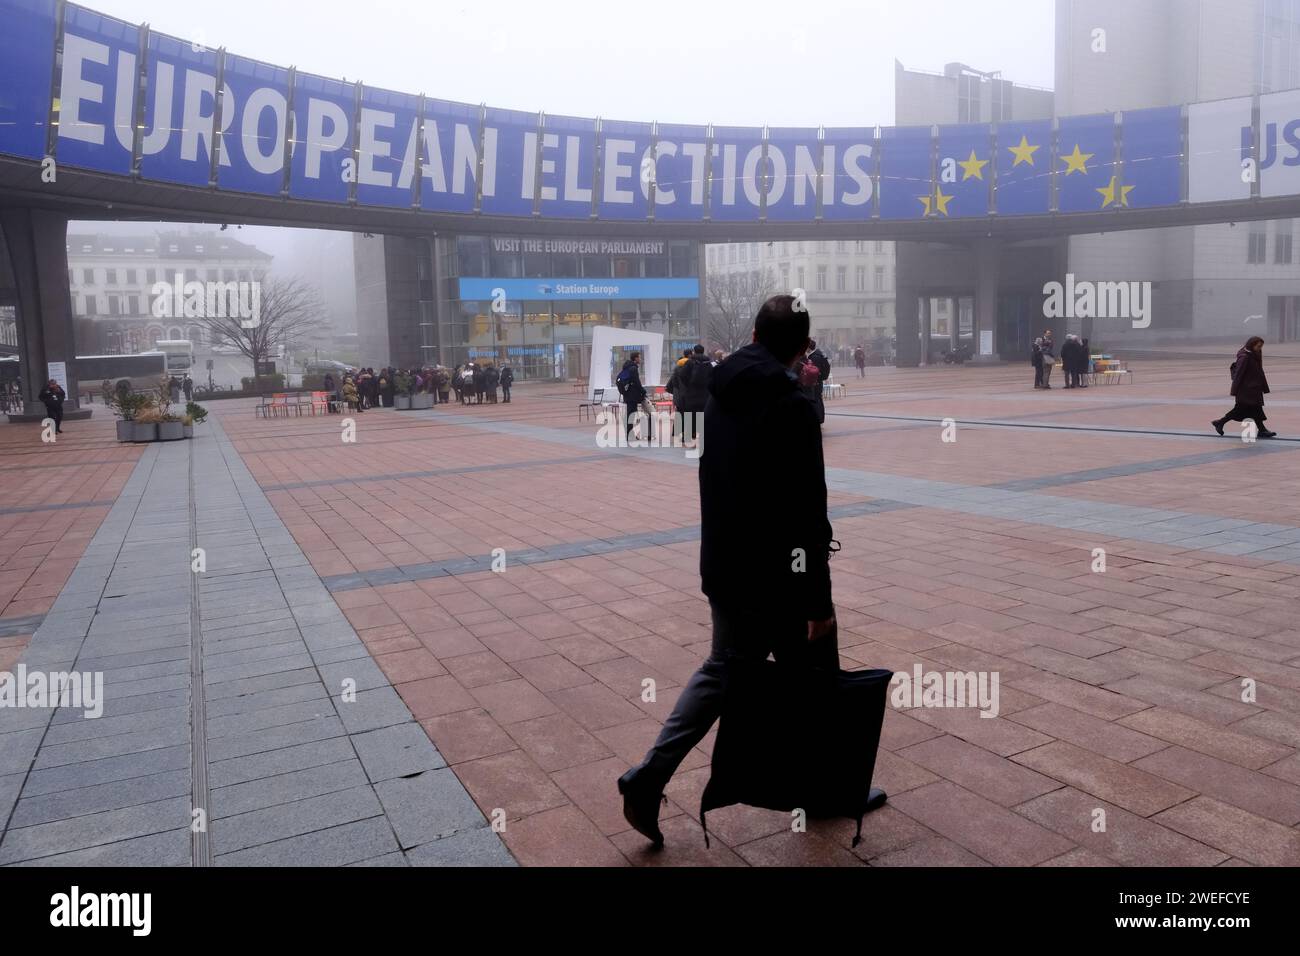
{"points": [[1024, 153], [972, 167], [1077, 162], [1108, 193], [940, 202]]}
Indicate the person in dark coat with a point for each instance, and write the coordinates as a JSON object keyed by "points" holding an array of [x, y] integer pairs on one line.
{"points": [[52, 397], [823, 364], [1036, 360], [491, 379], [762, 500], [676, 390], [1069, 360], [693, 385], [507, 379], [480, 384], [1249, 386]]}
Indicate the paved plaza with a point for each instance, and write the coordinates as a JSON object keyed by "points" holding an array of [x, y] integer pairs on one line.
{"points": [[349, 681]]}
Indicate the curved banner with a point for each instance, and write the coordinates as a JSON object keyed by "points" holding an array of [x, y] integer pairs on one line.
{"points": [[735, 177], [388, 145], [681, 165], [97, 91], [1086, 179], [1152, 151], [450, 150], [1023, 183], [906, 189], [323, 167], [964, 181], [509, 162], [26, 65], [180, 112], [568, 171], [628, 169], [848, 173], [254, 124], [793, 163]]}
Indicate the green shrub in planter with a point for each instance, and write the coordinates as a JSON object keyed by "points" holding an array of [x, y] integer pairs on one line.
{"points": [[268, 383]]}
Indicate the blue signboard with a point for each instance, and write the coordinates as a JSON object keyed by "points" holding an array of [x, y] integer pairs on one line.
{"points": [[26, 65], [1023, 184], [1085, 164], [793, 166], [96, 84], [848, 168], [568, 170], [180, 114], [323, 111], [736, 181], [509, 162], [388, 142], [516, 290], [681, 162], [629, 169], [450, 156], [906, 190], [1152, 151], [255, 123], [965, 171]]}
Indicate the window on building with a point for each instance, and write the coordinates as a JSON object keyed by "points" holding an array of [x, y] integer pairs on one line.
{"points": [[1257, 248], [785, 275], [92, 306], [88, 276], [880, 246], [860, 246], [879, 279], [731, 253], [821, 278], [861, 276], [841, 279], [800, 276], [1282, 243], [841, 246], [114, 305], [191, 275], [880, 309]]}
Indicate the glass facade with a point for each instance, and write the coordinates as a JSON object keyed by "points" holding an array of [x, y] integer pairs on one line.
{"points": [[534, 301]]}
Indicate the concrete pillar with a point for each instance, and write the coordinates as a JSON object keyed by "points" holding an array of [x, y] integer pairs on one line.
{"points": [[907, 328], [954, 324], [925, 330], [985, 318], [36, 242]]}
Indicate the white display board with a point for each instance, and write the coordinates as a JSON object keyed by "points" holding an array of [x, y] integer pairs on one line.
{"points": [[986, 341], [59, 372], [604, 339]]}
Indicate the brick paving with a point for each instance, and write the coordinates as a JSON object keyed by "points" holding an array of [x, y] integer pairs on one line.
{"points": [[1121, 691]]}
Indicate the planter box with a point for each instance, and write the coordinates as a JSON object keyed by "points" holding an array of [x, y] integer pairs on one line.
{"points": [[171, 431], [422, 400], [125, 430], [402, 403], [141, 432], [189, 431]]}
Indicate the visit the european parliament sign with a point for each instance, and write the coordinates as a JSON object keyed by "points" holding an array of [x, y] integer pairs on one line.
{"points": [[128, 101]]}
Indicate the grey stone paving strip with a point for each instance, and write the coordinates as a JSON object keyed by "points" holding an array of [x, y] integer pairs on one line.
{"points": [[564, 552], [431, 473], [27, 624], [30, 509], [1133, 468], [288, 770], [1262, 541]]}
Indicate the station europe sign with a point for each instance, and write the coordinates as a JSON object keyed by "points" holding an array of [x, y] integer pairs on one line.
{"points": [[286, 133]]}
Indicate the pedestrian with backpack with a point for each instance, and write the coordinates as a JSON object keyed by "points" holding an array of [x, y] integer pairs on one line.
{"points": [[693, 386], [633, 392]]}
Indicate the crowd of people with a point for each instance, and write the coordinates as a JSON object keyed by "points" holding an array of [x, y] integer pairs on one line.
{"points": [[472, 383], [1076, 360]]}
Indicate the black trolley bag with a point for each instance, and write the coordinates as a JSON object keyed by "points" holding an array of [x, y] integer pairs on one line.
{"points": [[797, 738]]}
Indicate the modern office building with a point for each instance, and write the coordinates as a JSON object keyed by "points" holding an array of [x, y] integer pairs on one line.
{"points": [[528, 300], [1212, 282], [112, 280]]}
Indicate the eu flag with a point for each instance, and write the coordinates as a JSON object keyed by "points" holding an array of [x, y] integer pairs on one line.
{"points": [[1152, 150], [1085, 164], [965, 178], [905, 188], [1022, 186]]}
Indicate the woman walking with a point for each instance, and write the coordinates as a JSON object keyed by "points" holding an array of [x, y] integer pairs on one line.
{"points": [[1249, 386]]}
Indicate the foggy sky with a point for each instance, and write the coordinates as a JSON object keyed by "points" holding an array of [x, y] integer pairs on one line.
{"points": [[731, 62]]}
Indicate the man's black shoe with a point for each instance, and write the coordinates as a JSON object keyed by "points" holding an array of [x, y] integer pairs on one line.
{"points": [[876, 799], [641, 808], [1267, 434], [1218, 425]]}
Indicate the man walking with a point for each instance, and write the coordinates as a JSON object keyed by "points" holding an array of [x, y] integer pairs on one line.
{"points": [[693, 387], [860, 360], [818, 358], [53, 397], [765, 540], [507, 379], [633, 392]]}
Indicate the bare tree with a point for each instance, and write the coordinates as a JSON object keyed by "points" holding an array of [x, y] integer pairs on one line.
{"points": [[287, 312], [733, 301]]}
